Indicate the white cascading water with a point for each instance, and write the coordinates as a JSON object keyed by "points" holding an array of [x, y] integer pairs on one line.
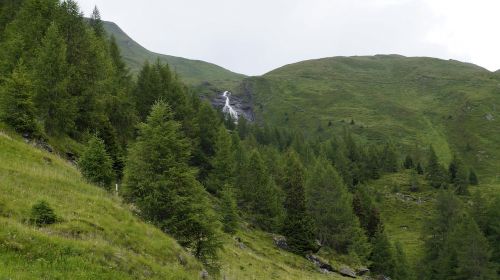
{"points": [[227, 107]]}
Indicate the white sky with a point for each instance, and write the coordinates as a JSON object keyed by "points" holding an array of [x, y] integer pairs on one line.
{"points": [[255, 36]]}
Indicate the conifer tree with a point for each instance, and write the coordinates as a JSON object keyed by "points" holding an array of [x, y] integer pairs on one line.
{"points": [[222, 172], [17, 108], [420, 169], [473, 180], [159, 180], [492, 229], [96, 23], [402, 268], [435, 173], [382, 257], [52, 100], [367, 212], [408, 163], [390, 158], [458, 176], [298, 227], [96, 165], [330, 205], [228, 210]]}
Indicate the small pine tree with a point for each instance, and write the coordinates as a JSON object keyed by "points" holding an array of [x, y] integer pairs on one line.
{"points": [[414, 183], [96, 165], [458, 176], [298, 227], [42, 214], [17, 108], [408, 163], [402, 270], [473, 180], [420, 170]]}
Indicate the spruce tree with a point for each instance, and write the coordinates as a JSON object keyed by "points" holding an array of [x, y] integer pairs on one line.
{"points": [[222, 172], [408, 163], [458, 176], [367, 212], [492, 229], [160, 182], [382, 257], [17, 108], [420, 169], [298, 227], [402, 269], [52, 99], [330, 205], [96, 23], [435, 173], [390, 158], [228, 210], [473, 180], [96, 165]]}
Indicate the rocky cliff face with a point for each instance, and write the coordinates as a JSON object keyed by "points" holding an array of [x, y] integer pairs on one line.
{"points": [[240, 105]]}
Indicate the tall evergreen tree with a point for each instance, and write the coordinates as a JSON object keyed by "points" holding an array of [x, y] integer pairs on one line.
{"points": [[408, 163], [435, 173], [458, 176], [223, 164], [298, 227], [367, 212], [159, 180], [402, 269], [382, 257], [228, 210], [52, 99], [330, 205], [17, 108], [96, 22]]}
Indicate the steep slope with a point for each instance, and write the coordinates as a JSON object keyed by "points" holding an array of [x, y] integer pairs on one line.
{"points": [[193, 72], [414, 101], [96, 236]]}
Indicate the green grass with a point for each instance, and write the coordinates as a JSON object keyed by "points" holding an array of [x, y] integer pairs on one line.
{"points": [[203, 76], [97, 236], [414, 102]]}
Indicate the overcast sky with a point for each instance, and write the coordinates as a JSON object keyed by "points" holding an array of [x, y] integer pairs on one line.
{"points": [[255, 36]]}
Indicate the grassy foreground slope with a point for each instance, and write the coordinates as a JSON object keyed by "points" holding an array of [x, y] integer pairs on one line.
{"points": [[193, 72], [97, 237], [413, 101]]}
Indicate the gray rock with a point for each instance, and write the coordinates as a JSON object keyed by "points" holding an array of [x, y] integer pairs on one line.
{"points": [[347, 271], [362, 271], [280, 242], [204, 274], [323, 266]]}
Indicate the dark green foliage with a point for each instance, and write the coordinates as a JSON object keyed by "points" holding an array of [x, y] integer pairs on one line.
{"points": [[390, 161], [42, 214], [228, 210], [435, 173], [96, 22], [458, 176], [298, 227], [17, 108], [491, 225], [96, 165], [408, 163], [382, 257], [455, 248], [223, 164], [473, 180], [402, 270], [414, 182], [53, 101], [160, 182], [258, 194], [367, 212], [330, 205], [420, 170]]}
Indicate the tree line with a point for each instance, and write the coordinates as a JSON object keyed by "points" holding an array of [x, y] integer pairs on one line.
{"points": [[195, 174]]}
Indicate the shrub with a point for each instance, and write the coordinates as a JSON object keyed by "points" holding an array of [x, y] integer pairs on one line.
{"points": [[42, 214]]}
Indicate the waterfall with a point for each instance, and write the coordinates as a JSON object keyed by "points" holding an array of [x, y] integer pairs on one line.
{"points": [[228, 110]]}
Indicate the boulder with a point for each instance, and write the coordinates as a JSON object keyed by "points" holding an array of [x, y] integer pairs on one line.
{"points": [[347, 271], [362, 271], [323, 266], [204, 274], [280, 242]]}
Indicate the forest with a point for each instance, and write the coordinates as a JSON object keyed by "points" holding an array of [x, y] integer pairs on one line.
{"points": [[197, 174]]}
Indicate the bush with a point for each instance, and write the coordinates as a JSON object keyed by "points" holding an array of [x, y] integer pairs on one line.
{"points": [[42, 214]]}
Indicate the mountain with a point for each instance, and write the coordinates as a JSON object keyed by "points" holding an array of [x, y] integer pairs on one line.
{"points": [[193, 72], [415, 101]]}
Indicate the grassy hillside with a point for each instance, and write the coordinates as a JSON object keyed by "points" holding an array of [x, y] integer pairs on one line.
{"points": [[193, 72], [414, 101], [98, 237]]}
